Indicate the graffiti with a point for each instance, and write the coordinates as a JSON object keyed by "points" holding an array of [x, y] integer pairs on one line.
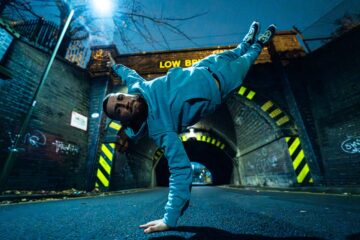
{"points": [[239, 120], [34, 139], [66, 148], [351, 145]]}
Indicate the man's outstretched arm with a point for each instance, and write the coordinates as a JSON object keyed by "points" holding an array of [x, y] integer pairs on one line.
{"points": [[128, 76], [179, 183]]}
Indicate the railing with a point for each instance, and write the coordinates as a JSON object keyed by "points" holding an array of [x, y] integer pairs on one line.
{"points": [[42, 33]]}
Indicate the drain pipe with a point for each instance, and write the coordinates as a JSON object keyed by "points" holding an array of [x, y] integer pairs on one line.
{"points": [[9, 163]]}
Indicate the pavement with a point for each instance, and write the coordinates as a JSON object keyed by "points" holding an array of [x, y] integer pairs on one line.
{"points": [[308, 189], [15, 196], [214, 213]]}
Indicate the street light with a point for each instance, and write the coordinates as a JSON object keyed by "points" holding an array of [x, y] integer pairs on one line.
{"points": [[103, 8]]}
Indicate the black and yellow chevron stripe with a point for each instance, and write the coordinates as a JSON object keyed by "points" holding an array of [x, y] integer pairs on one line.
{"points": [[103, 172], [301, 168], [279, 116], [275, 113], [204, 138], [158, 154], [249, 94]]}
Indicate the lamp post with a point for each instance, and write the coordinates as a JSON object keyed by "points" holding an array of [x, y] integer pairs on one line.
{"points": [[9, 163]]}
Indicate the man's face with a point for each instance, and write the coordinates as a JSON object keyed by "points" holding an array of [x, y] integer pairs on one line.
{"points": [[125, 107]]}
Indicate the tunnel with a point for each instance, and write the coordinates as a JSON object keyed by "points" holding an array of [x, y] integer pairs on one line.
{"points": [[202, 151]]}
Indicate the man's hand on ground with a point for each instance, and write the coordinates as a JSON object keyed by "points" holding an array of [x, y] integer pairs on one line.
{"points": [[155, 226]]}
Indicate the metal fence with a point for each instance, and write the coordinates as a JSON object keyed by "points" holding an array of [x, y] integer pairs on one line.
{"points": [[41, 33]]}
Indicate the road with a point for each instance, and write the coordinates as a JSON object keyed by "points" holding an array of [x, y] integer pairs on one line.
{"points": [[214, 213]]}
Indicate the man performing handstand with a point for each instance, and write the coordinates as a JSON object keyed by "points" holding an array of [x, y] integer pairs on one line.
{"points": [[167, 105]]}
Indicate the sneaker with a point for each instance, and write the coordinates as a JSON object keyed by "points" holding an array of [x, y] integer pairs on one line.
{"points": [[267, 35], [251, 35]]}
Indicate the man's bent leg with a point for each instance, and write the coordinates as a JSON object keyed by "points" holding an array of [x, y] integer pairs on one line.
{"points": [[232, 73], [226, 56]]}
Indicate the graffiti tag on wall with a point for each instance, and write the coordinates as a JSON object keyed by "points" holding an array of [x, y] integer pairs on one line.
{"points": [[351, 145], [35, 139], [66, 148]]}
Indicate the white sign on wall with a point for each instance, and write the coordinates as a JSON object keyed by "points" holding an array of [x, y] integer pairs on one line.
{"points": [[78, 121]]}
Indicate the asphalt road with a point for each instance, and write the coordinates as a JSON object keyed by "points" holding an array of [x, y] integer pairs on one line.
{"points": [[214, 213]]}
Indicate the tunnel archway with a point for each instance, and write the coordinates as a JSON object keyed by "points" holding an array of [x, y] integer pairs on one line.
{"points": [[207, 149], [270, 150]]}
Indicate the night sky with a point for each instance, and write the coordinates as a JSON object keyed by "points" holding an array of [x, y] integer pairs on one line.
{"points": [[223, 22]]}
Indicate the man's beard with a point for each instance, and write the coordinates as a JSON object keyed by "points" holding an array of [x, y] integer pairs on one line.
{"points": [[140, 114]]}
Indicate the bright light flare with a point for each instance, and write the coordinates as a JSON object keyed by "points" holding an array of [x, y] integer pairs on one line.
{"points": [[102, 8]]}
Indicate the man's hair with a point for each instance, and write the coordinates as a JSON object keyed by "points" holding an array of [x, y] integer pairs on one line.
{"points": [[105, 102]]}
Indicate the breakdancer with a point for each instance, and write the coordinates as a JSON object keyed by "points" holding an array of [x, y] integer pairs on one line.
{"points": [[165, 106]]}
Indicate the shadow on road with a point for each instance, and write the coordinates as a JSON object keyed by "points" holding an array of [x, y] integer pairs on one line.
{"points": [[208, 233]]}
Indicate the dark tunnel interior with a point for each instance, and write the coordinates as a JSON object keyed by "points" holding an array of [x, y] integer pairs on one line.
{"points": [[214, 159]]}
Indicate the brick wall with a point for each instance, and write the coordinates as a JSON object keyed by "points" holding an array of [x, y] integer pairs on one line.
{"points": [[52, 153], [5, 41], [330, 99]]}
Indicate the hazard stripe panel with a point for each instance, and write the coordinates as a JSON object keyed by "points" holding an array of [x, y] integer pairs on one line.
{"points": [[202, 138], [103, 172], [267, 106], [115, 125], [105, 163], [301, 168], [246, 93], [158, 154]]}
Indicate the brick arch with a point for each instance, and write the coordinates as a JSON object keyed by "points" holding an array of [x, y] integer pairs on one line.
{"points": [[285, 125], [212, 140]]}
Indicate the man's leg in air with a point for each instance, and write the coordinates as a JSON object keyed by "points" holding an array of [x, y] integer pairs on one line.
{"points": [[232, 54], [232, 73]]}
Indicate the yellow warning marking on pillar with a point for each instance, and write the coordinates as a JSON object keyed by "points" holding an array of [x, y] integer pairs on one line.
{"points": [[303, 173], [107, 152], [293, 146], [198, 137], [298, 159], [203, 138], [105, 165], [250, 95], [275, 113], [213, 141], [158, 154], [96, 184], [208, 139], [222, 146], [102, 178], [183, 138], [282, 120], [218, 143], [267, 105], [242, 90], [115, 126]]}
